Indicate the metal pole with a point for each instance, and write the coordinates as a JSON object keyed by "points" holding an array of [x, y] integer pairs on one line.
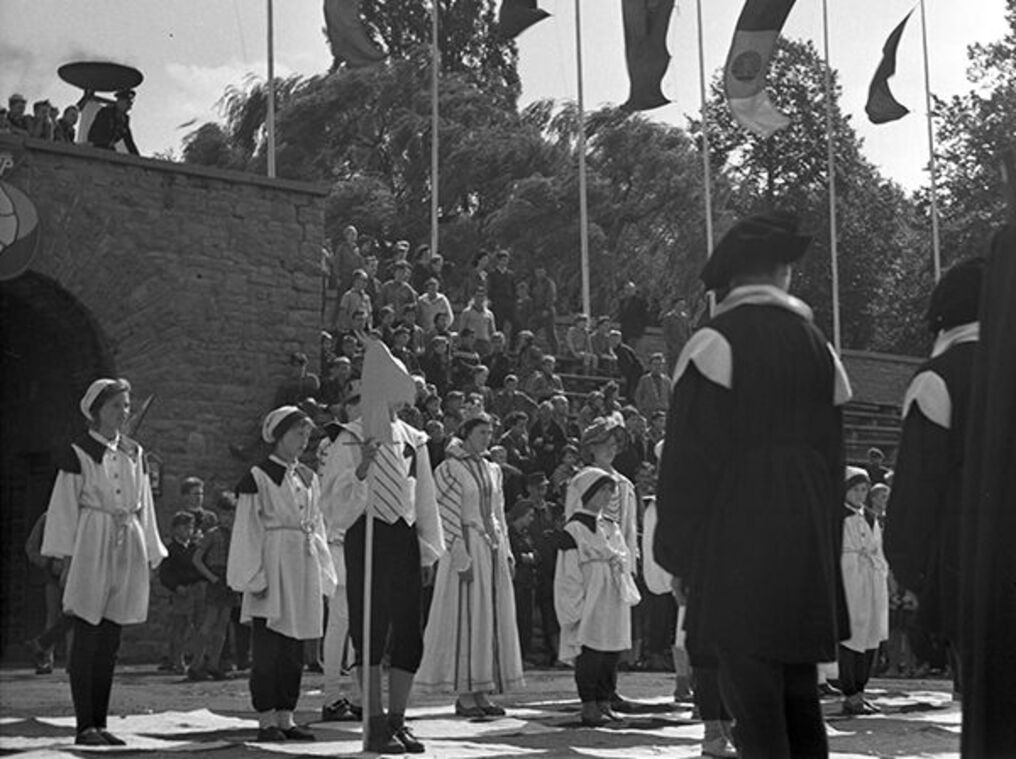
{"points": [[583, 205], [435, 78], [831, 169], [270, 119], [706, 171], [936, 249]]}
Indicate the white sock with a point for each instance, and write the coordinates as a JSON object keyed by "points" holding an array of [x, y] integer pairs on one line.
{"points": [[266, 719], [285, 719]]}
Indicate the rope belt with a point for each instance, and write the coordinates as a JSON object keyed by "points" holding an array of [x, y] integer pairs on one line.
{"points": [[121, 518]]}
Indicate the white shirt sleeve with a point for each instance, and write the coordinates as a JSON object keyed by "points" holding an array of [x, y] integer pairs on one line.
{"points": [[428, 520], [245, 570], [569, 590], [62, 515]]}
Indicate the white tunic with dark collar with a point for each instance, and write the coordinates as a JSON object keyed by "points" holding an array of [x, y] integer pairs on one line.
{"points": [[278, 556], [101, 515]]}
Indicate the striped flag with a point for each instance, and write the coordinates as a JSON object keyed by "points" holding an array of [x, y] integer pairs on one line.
{"points": [[645, 51], [882, 107], [346, 35], [516, 16], [744, 77]]}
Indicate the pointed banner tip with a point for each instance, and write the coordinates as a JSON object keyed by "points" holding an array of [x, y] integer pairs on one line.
{"points": [[516, 16], [645, 46], [882, 107]]}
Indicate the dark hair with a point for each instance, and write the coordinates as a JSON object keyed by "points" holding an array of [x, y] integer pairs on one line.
{"points": [[225, 501], [514, 417], [471, 424], [191, 483], [182, 517]]}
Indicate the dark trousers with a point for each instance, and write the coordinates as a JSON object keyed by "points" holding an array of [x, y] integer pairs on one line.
{"points": [[596, 675], [775, 706], [93, 658], [524, 616], [239, 638], [855, 669], [276, 668], [707, 695], [660, 622], [549, 626], [395, 593]]}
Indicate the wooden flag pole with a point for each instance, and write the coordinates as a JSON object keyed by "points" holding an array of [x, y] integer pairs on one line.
{"points": [[368, 580], [831, 169], [581, 146], [270, 118], [935, 245], [435, 78], [706, 170]]}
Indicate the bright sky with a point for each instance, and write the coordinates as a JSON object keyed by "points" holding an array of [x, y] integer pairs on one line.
{"points": [[189, 50]]}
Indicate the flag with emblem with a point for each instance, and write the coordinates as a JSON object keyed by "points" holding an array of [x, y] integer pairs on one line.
{"points": [[744, 77]]}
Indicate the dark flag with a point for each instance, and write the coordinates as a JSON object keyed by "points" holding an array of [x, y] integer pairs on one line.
{"points": [[645, 51], [346, 35], [744, 77], [516, 16], [882, 107]]}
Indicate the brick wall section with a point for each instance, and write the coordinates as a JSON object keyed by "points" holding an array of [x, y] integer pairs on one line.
{"points": [[201, 281]]}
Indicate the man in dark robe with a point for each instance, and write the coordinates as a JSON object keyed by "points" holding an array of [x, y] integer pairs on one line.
{"points": [[750, 491], [988, 628], [632, 315], [922, 537]]}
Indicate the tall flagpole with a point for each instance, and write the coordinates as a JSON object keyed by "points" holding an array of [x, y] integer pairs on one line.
{"points": [[583, 206], [831, 169], [706, 171], [936, 249], [270, 119], [435, 78]]}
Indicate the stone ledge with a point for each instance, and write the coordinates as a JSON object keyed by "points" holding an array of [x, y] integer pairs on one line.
{"points": [[86, 152]]}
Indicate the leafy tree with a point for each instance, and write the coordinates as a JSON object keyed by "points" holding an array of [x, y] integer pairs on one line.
{"points": [[877, 248], [972, 130]]}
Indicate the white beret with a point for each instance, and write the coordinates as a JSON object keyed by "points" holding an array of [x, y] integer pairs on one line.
{"points": [[103, 389], [279, 421]]}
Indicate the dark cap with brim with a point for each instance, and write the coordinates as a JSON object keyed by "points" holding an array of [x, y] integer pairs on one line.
{"points": [[752, 243]]}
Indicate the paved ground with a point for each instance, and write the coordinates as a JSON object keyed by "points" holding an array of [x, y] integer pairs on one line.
{"points": [[160, 714]]}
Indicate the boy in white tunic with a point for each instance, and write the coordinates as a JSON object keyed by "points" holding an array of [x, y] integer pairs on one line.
{"points": [[279, 561], [865, 580], [593, 593], [101, 521]]}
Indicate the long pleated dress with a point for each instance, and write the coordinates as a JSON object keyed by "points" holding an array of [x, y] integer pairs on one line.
{"points": [[471, 643]]}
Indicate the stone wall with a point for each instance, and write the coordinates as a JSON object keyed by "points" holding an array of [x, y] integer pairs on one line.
{"points": [[199, 282]]}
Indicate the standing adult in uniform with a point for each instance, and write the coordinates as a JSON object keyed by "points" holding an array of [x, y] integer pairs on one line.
{"points": [[750, 491], [279, 561], [922, 540], [101, 523]]}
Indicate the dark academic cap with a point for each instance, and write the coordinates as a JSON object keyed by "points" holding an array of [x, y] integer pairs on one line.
{"points": [[956, 298], [768, 238]]}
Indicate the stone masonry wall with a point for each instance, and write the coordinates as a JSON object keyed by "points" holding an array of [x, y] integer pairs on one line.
{"points": [[201, 282]]}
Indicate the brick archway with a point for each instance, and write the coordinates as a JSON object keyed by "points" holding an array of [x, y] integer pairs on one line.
{"points": [[51, 349]]}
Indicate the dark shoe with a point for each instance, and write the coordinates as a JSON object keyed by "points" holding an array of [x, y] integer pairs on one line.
{"points": [[622, 705], [825, 690], [380, 739], [473, 712], [609, 713], [111, 740], [44, 669], [411, 743], [197, 675], [339, 710], [592, 716], [316, 668], [493, 710], [39, 655], [297, 733], [90, 736], [855, 706], [270, 735], [216, 674]]}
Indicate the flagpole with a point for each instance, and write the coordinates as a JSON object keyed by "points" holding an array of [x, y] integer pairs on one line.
{"points": [[270, 118], [435, 78], [706, 171], [368, 607], [581, 141], [936, 249], [831, 169]]}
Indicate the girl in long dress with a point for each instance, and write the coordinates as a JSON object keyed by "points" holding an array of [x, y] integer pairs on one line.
{"points": [[471, 643], [101, 522]]}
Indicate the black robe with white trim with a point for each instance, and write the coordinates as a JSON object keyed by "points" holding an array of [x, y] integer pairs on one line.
{"points": [[751, 481], [924, 517]]}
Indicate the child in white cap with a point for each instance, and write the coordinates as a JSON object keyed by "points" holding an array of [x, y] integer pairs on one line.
{"points": [[101, 522], [279, 560], [593, 593], [865, 580]]}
